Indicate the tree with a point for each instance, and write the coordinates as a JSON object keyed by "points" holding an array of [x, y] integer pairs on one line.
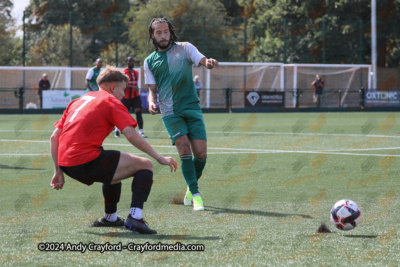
{"points": [[53, 47], [100, 23], [187, 16], [321, 31], [7, 33]]}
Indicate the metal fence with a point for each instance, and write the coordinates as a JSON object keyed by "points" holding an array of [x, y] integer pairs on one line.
{"points": [[224, 99]]}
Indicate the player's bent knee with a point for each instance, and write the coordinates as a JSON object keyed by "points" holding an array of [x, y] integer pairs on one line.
{"points": [[183, 146], [147, 165]]}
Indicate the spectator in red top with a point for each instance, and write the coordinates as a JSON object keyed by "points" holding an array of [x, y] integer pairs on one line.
{"points": [[132, 96], [76, 149]]}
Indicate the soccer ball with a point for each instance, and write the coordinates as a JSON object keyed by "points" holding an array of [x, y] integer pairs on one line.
{"points": [[345, 214]]}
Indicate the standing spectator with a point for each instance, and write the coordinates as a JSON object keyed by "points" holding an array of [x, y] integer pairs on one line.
{"points": [[44, 84], [198, 85], [132, 96], [318, 84], [92, 75]]}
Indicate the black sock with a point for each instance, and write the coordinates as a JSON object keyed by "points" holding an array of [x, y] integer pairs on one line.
{"points": [[141, 186], [139, 119], [111, 193]]}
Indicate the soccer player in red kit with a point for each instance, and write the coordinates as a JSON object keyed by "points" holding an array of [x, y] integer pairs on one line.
{"points": [[76, 150], [132, 96]]}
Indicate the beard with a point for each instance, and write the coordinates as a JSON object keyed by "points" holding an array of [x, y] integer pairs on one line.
{"points": [[162, 46]]}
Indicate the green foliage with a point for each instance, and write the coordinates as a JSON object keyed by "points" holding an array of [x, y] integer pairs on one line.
{"points": [[187, 17], [291, 31], [7, 32], [52, 48], [95, 22], [322, 31]]}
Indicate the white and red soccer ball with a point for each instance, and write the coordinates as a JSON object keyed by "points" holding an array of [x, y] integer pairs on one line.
{"points": [[345, 214]]}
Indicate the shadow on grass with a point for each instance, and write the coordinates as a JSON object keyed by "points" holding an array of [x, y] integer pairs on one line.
{"points": [[216, 210], [361, 236], [135, 235], [2, 166]]}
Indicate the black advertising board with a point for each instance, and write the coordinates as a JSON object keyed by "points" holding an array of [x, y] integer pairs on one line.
{"points": [[264, 99]]}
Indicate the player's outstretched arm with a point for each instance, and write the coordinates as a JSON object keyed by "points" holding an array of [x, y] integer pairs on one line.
{"points": [[57, 182], [140, 143], [152, 98], [209, 63]]}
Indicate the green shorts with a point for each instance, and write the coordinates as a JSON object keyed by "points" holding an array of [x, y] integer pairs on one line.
{"points": [[189, 122]]}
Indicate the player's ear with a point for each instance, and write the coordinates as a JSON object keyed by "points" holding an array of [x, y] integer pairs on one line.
{"points": [[112, 87]]}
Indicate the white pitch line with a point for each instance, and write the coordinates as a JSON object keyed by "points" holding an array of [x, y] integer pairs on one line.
{"points": [[361, 149], [26, 141], [269, 150], [247, 133], [322, 134], [26, 131], [247, 152]]}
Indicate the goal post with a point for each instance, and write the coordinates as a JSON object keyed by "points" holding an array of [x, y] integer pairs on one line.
{"points": [[342, 78]]}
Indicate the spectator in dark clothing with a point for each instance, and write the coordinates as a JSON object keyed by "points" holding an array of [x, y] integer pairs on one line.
{"points": [[44, 84], [318, 84]]}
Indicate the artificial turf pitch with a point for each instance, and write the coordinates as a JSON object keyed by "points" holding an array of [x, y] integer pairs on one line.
{"points": [[269, 183]]}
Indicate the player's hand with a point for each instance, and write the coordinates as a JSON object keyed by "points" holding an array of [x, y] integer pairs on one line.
{"points": [[168, 161], [58, 181], [211, 63], [152, 108]]}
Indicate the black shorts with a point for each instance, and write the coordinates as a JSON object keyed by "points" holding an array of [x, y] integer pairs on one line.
{"points": [[101, 169], [135, 102]]}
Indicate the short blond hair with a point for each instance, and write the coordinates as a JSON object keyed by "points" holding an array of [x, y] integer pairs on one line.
{"points": [[111, 74]]}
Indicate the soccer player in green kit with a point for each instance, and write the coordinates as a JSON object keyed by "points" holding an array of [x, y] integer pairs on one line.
{"points": [[169, 68]]}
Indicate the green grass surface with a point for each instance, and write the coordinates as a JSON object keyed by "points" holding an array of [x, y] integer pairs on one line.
{"points": [[269, 182]]}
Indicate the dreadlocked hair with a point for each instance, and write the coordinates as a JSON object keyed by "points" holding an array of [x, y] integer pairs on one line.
{"points": [[154, 21]]}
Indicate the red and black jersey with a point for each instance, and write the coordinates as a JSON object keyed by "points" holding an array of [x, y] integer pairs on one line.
{"points": [[133, 81]]}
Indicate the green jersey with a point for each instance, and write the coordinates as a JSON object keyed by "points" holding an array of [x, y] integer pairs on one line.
{"points": [[171, 71], [92, 75]]}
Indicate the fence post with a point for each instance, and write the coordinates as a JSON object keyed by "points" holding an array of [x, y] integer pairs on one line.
{"points": [[70, 40], [23, 40], [245, 40], [323, 42], [21, 89], [21, 97], [362, 98], [116, 40], [361, 50], [285, 39], [203, 37], [228, 99]]}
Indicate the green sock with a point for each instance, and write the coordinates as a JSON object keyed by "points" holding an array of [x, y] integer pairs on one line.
{"points": [[189, 173], [199, 166]]}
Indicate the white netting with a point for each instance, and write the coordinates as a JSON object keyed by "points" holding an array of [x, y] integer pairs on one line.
{"points": [[342, 83]]}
